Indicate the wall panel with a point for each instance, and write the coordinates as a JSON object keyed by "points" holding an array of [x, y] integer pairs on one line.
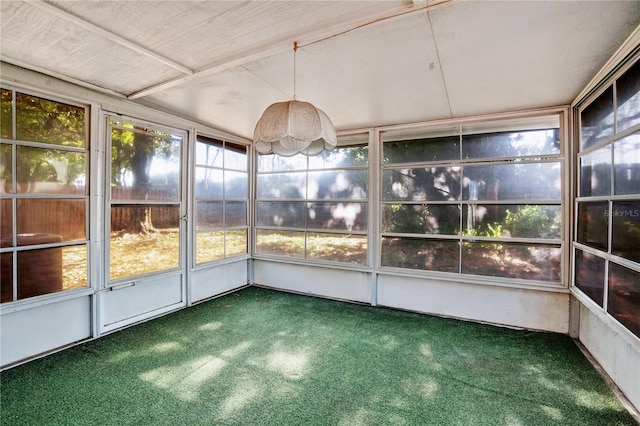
{"points": [[614, 349], [33, 331], [515, 307], [219, 279], [314, 280]]}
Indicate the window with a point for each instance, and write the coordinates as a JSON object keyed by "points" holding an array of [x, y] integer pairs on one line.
{"points": [[478, 200], [43, 196], [144, 199], [221, 200], [314, 207], [607, 253]]}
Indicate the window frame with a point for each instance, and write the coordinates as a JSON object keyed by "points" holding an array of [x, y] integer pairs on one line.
{"points": [[508, 123], [223, 199], [360, 138], [14, 196], [610, 199], [109, 202]]}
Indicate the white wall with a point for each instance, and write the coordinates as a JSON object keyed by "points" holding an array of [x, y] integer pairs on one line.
{"points": [[217, 279], [314, 280], [535, 309], [514, 307], [614, 348], [36, 328]]}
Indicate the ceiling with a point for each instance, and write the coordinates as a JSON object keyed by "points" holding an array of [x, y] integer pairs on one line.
{"points": [[365, 63]]}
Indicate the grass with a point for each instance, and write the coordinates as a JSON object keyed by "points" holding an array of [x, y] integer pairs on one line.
{"points": [[261, 357]]}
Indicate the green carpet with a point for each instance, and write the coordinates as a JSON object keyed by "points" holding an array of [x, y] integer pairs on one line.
{"points": [[261, 357]]}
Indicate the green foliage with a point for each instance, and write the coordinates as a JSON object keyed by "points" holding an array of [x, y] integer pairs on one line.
{"points": [[47, 122], [492, 230], [532, 220], [6, 115]]}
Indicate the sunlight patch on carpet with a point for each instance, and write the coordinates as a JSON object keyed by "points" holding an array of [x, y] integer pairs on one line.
{"points": [[425, 351], [211, 326], [552, 412], [236, 350], [186, 387], [165, 347], [291, 363], [242, 394]]}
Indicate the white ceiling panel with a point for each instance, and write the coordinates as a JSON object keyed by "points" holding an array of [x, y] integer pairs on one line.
{"points": [[200, 33], [47, 41], [355, 77], [365, 63], [230, 99], [521, 54]]}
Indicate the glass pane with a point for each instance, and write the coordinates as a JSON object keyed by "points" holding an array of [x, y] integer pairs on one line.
{"points": [[349, 184], [74, 267], [628, 97], [235, 213], [421, 219], [235, 156], [50, 171], [528, 262], [236, 184], [593, 224], [6, 114], [39, 272], [533, 181], [347, 216], [6, 277], [209, 214], [282, 185], [624, 297], [6, 169], [45, 271], [590, 275], [6, 221], [236, 242], [511, 144], [41, 120], [41, 219], [209, 152], [209, 246], [625, 239], [135, 245], [626, 157], [281, 243], [505, 221], [422, 184], [595, 173], [209, 182], [276, 163], [417, 253], [421, 150], [597, 120], [337, 247], [282, 214], [144, 166], [348, 156]]}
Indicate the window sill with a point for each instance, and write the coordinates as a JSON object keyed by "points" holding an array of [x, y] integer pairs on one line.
{"points": [[45, 299]]}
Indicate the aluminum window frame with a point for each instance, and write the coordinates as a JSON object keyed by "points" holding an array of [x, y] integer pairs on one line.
{"points": [[223, 199], [508, 123], [609, 258], [14, 195], [358, 138]]}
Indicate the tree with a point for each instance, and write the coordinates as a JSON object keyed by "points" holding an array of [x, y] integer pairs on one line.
{"points": [[48, 122], [133, 152]]}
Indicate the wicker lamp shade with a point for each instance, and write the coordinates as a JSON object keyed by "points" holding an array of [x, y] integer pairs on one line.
{"points": [[292, 127]]}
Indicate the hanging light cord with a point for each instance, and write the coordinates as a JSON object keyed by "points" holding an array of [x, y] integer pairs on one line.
{"points": [[295, 49]]}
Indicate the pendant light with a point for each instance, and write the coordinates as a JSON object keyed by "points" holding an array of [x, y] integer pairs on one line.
{"points": [[292, 127]]}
